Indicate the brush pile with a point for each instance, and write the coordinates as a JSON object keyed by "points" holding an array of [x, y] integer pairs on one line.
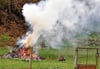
{"points": [[22, 53]]}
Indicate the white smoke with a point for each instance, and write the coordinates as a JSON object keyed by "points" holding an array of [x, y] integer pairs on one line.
{"points": [[59, 20]]}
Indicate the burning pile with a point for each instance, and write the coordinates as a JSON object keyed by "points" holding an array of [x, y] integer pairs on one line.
{"points": [[22, 53]]}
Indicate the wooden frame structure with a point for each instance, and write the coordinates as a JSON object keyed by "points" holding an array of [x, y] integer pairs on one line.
{"points": [[86, 66]]}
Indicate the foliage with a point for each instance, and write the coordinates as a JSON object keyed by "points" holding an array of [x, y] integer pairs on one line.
{"points": [[11, 19], [3, 50], [94, 39], [4, 37], [3, 4]]}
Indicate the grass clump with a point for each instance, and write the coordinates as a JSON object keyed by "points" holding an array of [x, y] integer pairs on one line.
{"points": [[4, 50], [4, 37]]}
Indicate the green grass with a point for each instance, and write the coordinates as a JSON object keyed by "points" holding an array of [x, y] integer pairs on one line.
{"points": [[4, 50], [51, 61], [4, 37], [46, 64]]}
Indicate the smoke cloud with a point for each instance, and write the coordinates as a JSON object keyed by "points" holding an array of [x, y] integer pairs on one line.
{"points": [[55, 21]]}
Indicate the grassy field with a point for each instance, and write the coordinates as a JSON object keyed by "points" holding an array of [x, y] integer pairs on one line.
{"points": [[51, 61]]}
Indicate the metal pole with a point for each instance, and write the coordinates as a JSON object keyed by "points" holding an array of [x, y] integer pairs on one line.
{"points": [[31, 50]]}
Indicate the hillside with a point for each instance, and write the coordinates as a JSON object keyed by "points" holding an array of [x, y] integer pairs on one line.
{"points": [[11, 20]]}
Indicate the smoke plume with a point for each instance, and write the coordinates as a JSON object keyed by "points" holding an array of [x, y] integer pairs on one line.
{"points": [[55, 21]]}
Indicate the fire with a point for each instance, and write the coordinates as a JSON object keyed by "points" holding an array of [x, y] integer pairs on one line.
{"points": [[24, 53]]}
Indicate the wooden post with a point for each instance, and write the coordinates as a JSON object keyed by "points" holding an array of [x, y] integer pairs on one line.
{"points": [[31, 50], [76, 58], [97, 57], [87, 59]]}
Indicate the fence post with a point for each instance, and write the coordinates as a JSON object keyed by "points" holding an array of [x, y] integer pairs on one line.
{"points": [[76, 58], [31, 50], [97, 57]]}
